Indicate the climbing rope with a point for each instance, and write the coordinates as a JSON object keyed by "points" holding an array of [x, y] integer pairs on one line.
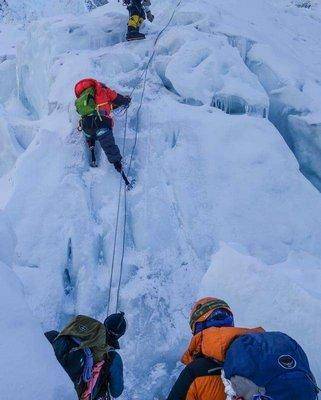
{"points": [[117, 222], [142, 78]]}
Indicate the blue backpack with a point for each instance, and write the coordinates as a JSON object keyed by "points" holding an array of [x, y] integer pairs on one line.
{"points": [[269, 365]]}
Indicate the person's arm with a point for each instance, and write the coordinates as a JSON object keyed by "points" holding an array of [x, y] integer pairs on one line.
{"points": [[61, 347], [121, 100], [182, 385], [115, 98], [64, 355], [116, 378]]}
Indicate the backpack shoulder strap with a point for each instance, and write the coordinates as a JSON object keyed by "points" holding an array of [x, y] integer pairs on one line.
{"points": [[205, 366]]}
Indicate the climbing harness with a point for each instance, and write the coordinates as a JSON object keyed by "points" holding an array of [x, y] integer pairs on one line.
{"points": [[101, 105], [142, 78]]}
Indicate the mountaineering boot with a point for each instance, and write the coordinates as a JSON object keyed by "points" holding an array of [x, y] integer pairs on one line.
{"points": [[134, 34]]}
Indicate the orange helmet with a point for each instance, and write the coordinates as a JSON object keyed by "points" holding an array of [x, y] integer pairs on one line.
{"points": [[203, 308]]}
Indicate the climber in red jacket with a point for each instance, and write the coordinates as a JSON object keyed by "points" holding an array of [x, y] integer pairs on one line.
{"points": [[95, 102]]}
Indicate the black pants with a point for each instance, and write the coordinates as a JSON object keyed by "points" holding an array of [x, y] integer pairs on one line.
{"points": [[135, 8], [136, 14], [100, 129]]}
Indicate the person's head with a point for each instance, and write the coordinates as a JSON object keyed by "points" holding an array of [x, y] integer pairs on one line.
{"points": [[209, 312], [116, 326]]}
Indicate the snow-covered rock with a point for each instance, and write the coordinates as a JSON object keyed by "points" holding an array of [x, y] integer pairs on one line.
{"points": [[205, 69], [29, 366], [281, 297]]}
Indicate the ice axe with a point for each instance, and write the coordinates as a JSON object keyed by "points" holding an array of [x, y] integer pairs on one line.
{"points": [[128, 184]]}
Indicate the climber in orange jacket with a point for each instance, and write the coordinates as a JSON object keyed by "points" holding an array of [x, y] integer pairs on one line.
{"points": [[212, 325]]}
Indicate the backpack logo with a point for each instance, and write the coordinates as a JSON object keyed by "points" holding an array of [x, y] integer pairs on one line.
{"points": [[82, 328], [287, 362]]}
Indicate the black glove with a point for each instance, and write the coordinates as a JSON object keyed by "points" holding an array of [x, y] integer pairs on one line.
{"points": [[126, 2], [127, 101], [118, 166], [150, 16]]}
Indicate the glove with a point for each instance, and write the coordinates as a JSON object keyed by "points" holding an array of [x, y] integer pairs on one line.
{"points": [[150, 16], [118, 166], [126, 2], [127, 101]]}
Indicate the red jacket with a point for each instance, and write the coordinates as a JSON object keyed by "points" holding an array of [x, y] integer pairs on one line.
{"points": [[104, 96]]}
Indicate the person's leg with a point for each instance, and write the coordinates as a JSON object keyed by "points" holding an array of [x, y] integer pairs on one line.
{"points": [[89, 130], [107, 142], [91, 144], [90, 141], [136, 18]]}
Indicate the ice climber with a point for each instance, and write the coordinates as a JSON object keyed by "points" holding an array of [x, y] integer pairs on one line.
{"points": [[138, 12], [95, 102], [225, 362], [85, 348]]}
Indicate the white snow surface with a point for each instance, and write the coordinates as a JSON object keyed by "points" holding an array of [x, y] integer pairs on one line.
{"points": [[230, 115], [28, 364]]}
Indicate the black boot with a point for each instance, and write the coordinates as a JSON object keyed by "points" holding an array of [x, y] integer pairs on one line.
{"points": [[134, 34]]}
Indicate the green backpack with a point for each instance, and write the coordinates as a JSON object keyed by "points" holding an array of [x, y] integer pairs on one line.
{"points": [[85, 104]]}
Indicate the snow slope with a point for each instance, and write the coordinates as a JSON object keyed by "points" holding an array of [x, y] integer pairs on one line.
{"points": [[220, 206], [29, 366]]}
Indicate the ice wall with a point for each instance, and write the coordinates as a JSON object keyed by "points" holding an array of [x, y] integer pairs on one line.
{"points": [[30, 368]]}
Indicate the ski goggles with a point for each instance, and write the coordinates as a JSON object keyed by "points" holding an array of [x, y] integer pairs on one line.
{"points": [[262, 397], [219, 318]]}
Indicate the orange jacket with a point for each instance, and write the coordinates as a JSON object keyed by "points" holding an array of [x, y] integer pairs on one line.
{"points": [[214, 343]]}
